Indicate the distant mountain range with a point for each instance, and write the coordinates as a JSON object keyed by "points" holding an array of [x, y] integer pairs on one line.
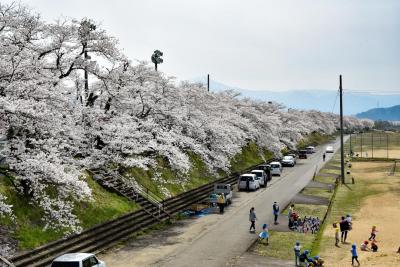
{"points": [[323, 100], [385, 114]]}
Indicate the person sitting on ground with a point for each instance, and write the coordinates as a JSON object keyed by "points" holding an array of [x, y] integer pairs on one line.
{"points": [[374, 246], [304, 257], [264, 235], [317, 261], [364, 246]]}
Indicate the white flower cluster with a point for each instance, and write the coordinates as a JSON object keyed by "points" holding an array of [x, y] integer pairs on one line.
{"points": [[58, 125]]}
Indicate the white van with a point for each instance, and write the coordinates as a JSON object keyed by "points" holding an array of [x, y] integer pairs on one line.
{"points": [[261, 177], [276, 168], [248, 181], [78, 260]]}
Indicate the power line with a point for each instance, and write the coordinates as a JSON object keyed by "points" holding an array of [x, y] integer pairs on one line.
{"points": [[334, 103]]}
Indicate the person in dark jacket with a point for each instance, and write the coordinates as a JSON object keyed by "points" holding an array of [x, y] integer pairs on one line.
{"points": [[275, 209], [344, 228]]}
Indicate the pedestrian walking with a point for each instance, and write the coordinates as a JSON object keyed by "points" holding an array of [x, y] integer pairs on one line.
{"points": [[297, 252], [252, 219], [221, 203], [373, 233], [336, 227], [344, 228], [323, 157], [275, 209], [354, 255]]}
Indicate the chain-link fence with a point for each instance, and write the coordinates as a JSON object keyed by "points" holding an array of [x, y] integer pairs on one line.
{"points": [[374, 145]]}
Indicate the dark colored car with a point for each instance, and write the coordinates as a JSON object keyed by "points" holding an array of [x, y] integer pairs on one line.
{"points": [[302, 154]]}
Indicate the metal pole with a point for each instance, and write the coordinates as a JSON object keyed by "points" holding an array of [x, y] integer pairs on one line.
{"points": [[372, 144], [341, 130], [208, 82], [350, 152], [387, 146]]}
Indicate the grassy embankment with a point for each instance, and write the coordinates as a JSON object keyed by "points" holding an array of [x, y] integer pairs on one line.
{"points": [[28, 227], [198, 174]]}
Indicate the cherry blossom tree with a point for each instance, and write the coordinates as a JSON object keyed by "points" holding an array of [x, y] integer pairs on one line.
{"points": [[70, 101]]}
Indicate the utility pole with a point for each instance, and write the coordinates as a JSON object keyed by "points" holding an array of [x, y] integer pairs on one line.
{"points": [[208, 82], [341, 130]]}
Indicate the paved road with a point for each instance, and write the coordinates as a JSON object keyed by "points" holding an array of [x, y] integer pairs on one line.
{"points": [[215, 240], [230, 237]]}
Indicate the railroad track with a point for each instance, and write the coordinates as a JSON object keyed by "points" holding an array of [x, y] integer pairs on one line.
{"points": [[105, 235]]}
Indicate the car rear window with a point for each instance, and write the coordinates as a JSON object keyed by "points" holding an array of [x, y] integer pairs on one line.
{"points": [[274, 166], [245, 178], [65, 264]]}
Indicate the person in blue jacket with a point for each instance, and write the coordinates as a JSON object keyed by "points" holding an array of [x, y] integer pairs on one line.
{"points": [[354, 255]]}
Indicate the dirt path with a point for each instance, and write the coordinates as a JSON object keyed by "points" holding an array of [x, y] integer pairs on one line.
{"points": [[382, 210]]}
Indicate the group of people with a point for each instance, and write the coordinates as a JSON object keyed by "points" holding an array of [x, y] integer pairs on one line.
{"points": [[305, 259], [305, 225]]}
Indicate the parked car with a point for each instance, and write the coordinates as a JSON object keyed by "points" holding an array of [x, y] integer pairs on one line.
{"points": [[78, 260], [329, 149], [261, 176], [248, 181], [225, 189], [266, 168], [294, 157], [276, 168], [310, 149], [288, 161], [303, 154]]}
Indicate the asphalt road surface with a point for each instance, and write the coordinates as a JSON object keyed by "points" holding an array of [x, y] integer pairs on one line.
{"points": [[225, 237]]}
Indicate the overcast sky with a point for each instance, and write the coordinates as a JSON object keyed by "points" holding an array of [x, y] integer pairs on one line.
{"points": [[260, 45]]}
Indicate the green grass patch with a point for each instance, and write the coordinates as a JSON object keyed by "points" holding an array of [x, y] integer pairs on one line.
{"points": [[176, 182], [28, 228], [281, 244], [249, 156], [325, 179], [314, 139], [319, 192], [308, 210]]}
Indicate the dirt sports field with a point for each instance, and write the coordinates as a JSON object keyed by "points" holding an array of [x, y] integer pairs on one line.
{"points": [[376, 201]]}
